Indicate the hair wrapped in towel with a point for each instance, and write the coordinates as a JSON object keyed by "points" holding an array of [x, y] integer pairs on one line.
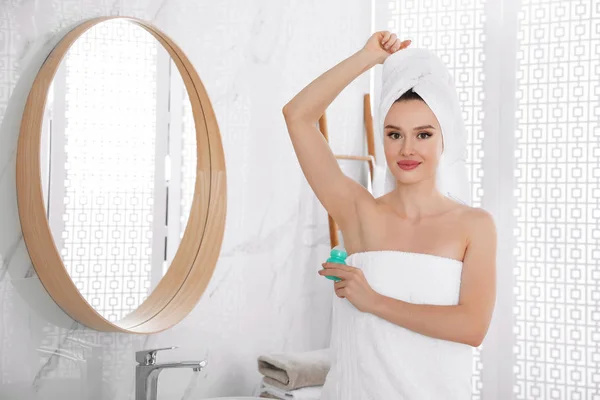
{"points": [[424, 73]]}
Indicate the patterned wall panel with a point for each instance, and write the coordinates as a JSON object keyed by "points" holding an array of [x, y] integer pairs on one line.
{"points": [[558, 211]]}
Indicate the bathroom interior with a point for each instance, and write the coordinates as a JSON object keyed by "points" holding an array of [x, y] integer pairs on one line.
{"points": [[153, 212]]}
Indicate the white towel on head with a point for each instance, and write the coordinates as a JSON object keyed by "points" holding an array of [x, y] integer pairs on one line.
{"points": [[427, 75]]}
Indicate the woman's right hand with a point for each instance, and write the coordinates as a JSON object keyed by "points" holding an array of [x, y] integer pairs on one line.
{"points": [[383, 44]]}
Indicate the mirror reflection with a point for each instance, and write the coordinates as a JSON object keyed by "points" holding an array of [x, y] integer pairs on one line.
{"points": [[118, 164]]}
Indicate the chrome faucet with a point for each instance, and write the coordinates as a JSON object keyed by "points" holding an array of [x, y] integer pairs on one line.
{"points": [[147, 370]]}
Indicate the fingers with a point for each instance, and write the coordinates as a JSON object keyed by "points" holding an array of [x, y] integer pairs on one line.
{"points": [[390, 42], [340, 270], [336, 272], [399, 45], [395, 47], [340, 285], [386, 37], [341, 290], [339, 266]]}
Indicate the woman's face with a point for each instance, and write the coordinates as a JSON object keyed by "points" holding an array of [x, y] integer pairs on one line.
{"points": [[412, 135]]}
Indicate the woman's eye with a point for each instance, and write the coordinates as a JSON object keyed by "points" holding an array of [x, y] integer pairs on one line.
{"points": [[394, 135], [424, 135]]}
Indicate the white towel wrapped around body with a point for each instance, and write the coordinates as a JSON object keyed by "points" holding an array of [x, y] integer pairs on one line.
{"points": [[374, 359]]}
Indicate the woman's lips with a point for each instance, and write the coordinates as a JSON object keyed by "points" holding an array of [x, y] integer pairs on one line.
{"points": [[408, 165]]}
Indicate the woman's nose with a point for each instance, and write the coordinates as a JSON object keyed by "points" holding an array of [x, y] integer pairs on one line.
{"points": [[407, 148]]}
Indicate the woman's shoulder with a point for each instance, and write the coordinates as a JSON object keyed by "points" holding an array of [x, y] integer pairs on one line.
{"points": [[478, 221], [476, 214]]}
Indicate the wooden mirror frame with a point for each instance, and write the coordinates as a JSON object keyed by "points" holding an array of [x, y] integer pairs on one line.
{"points": [[194, 262]]}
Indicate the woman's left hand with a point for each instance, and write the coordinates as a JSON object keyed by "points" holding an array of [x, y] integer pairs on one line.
{"points": [[353, 286]]}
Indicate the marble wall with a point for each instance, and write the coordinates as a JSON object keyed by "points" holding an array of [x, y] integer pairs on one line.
{"points": [[265, 294]]}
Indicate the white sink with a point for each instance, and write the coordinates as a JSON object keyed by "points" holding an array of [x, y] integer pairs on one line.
{"points": [[235, 398]]}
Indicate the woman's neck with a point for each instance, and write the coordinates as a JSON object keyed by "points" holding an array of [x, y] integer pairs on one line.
{"points": [[418, 201]]}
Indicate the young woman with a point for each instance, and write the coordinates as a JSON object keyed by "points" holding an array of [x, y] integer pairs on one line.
{"points": [[419, 289]]}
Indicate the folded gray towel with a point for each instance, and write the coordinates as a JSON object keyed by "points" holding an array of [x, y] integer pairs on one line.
{"points": [[291, 371]]}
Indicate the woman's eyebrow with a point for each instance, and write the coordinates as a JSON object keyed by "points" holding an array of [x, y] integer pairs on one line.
{"points": [[414, 129]]}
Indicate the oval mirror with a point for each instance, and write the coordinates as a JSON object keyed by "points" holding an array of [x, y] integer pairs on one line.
{"points": [[120, 177]]}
